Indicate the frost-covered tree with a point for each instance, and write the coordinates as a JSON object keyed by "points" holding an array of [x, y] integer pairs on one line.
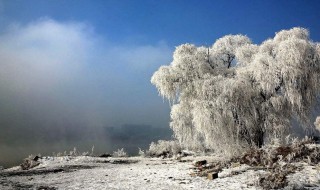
{"points": [[236, 94]]}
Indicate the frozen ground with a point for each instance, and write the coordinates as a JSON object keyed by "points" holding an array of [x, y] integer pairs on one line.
{"points": [[136, 173]]}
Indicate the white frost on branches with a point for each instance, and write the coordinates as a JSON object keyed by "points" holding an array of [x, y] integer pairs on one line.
{"points": [[236, 94], [317, 123]]}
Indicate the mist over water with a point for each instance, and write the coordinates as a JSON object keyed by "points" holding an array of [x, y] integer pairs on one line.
{"points": [[104, 140], [64, 86]]}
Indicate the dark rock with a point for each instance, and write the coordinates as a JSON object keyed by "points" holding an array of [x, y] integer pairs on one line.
{"points": [[46, 188], [316, 139], [200, 163], [58, 170], [212, 175], [186, 153], [36, 158], [124, 161], [105, 155], [164, 154]]}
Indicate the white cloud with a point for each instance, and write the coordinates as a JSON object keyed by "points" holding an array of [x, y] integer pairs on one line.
{"points": [[44, 52]]}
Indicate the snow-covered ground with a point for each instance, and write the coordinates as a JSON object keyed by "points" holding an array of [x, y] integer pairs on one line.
{"points": [[84, 172]]}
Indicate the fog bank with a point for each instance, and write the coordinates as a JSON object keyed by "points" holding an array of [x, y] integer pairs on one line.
{"points": [[61, 84]]}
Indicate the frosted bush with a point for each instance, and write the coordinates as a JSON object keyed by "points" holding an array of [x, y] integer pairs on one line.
{"points": [[164, 148], [92, 151], [119, 153], [74, 152], [317, 123], [85, 154], [59, 154], [141, 153]]}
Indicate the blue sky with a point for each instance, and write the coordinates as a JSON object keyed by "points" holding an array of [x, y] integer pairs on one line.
{"points": [[83, 65], [176, 22]]}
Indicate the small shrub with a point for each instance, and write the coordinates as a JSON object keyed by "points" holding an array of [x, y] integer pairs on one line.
{"points": [[141, 153], [59, 154], [30, 162], [74, 152], [119, 153], [85, 154], [164, 149], [92, 150]]}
